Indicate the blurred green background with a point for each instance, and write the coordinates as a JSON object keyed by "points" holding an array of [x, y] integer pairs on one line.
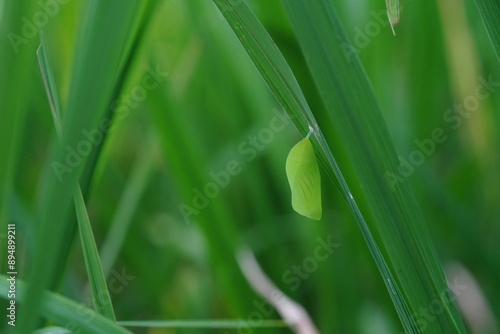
{"points": [[206, 112]]}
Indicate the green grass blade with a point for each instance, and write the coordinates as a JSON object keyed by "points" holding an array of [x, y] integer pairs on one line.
{"points": [[98, 286], [280, 79], [131, 64], [50, 85], [136, 33], [97, 279], [356, 116], [490, 12], [278, 76], [283, 84], [65, 312], [227, 324], [100, 55]]}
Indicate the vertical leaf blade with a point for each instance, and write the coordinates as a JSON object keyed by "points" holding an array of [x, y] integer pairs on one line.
{"points": [[402, 252], [100, 292], [356, 116], [490, 12], [100, 56]]}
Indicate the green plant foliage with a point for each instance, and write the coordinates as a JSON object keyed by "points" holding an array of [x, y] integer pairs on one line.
{"points": [[144, 146]]}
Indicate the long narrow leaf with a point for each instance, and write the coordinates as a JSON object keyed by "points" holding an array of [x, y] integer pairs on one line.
{"points": [[278, 75], [355, 114], [50, 85], [143, 17], [100, 292], [419, 257], [490, 12], [97, 279], [65, 312], [100, 56]]}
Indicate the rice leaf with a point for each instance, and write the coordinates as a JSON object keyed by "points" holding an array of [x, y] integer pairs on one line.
{"points": [[100, 56], [490, 12], [63, 311], [346, 93], [355, 114], [100, 292]]}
